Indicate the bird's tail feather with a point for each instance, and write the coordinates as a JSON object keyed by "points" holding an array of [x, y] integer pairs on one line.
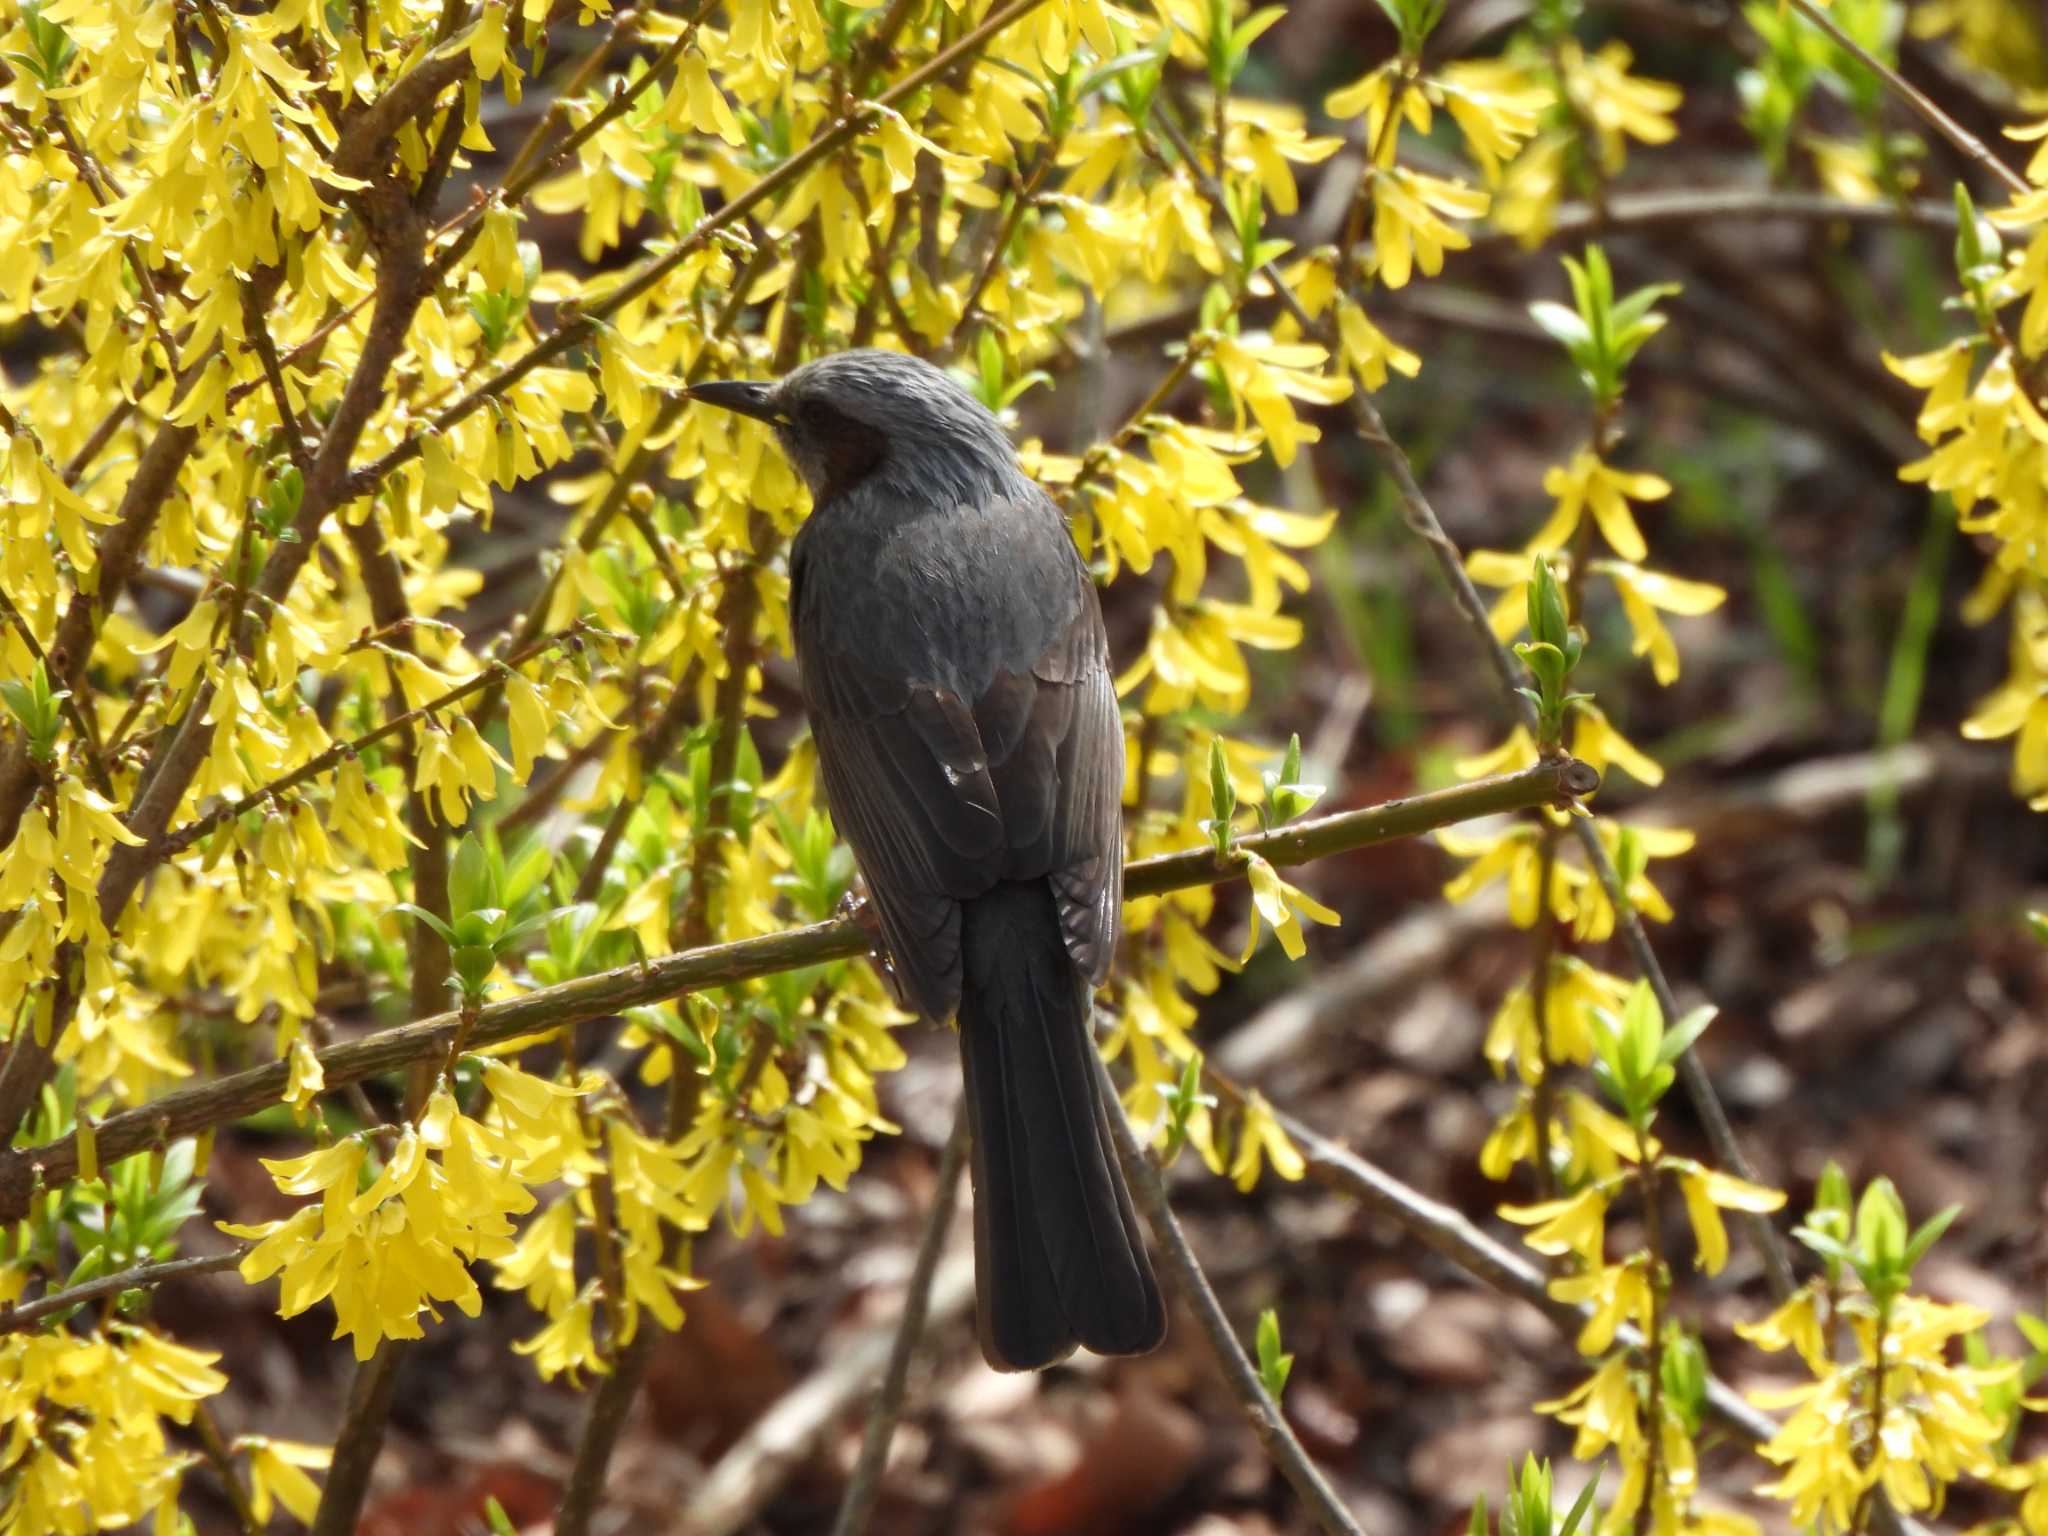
{"points": [[1058, 1256]]}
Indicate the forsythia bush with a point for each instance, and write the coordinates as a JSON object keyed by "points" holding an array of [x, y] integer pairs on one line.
{"points": [[284, 363]]}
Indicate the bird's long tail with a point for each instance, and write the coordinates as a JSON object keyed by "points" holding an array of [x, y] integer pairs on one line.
{"points": [[1058, 1257]]}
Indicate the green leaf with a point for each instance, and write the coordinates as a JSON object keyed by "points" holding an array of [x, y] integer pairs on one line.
{"points": [[1928, 1234], [1549, 624], [1684, 1376], [1253, 27], [1679, 1037], [1825, 1244], [473, 878], [2033, 1330], [422, 915], [1881, 1230], [1831, 1192], [1122, 64], [1581, 1506], [1562, 325], [1528, 1509]]}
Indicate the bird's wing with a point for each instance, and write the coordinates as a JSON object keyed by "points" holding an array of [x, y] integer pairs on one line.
{"points": [[909, 789], [940, 797], [1054, 742]]}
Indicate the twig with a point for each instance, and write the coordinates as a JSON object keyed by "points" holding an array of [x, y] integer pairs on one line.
{"points": [[81, 725], [188, 1110], [738, 608], [1718, 205], [530, 167], [1447, 1232], [1698, 1087], [1013, 217], [25, 1314], [739, 1485], [370, 1394], [222, 1458], [865, 1484], [654, 746], [174, 843], [1966, 143], [1260, 1411], [1543, 1100], [266, 353]]}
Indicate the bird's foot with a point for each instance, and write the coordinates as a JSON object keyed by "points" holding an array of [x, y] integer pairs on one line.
{"points": [[855, 908]]}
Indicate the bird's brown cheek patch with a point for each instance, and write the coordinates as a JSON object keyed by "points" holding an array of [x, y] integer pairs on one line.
{"points": [[848, 451]]}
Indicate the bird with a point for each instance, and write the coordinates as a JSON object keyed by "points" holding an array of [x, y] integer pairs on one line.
{"points": [[953, 663]]}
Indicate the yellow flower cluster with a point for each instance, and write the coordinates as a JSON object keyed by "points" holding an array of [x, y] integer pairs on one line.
{"points": [[1986, 424], [387, 1250], [86, 1447], [1897, 1416], [1613, 1408]]}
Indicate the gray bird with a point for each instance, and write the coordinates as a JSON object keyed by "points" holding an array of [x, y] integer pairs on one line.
{"points": [[956, 672]]}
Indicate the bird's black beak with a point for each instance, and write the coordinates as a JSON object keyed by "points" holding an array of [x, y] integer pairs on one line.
{"points": [[743, 396]]}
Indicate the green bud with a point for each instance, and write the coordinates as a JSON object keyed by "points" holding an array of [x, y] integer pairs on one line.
{"points": [[1548, 621], [1881, 1229]]}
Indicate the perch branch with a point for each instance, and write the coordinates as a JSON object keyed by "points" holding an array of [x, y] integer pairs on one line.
{"points": [[186, 1111]]}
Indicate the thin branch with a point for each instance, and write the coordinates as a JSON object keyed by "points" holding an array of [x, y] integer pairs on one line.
{"points": [[530, 168], [1705, 1102], [1260, 1411], [1449, 1233], [1682, 207], [26, 1314], [865, 1484], [653, 748], [173, 843], [188, 1110], [220, 1455], [81, 724], [1967, 144], [258, 333], [1006, 231], [738, 608]]}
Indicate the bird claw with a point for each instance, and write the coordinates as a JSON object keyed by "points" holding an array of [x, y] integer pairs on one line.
{"points": [[857, 909]]}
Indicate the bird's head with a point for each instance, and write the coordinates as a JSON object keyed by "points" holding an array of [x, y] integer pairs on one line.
{"points": [[852, 415]]}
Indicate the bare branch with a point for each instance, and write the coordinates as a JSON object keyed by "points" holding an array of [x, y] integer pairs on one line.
{"points": [[866, 1482], [1260, 1411], [26, 1314], [1972, 148]]}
